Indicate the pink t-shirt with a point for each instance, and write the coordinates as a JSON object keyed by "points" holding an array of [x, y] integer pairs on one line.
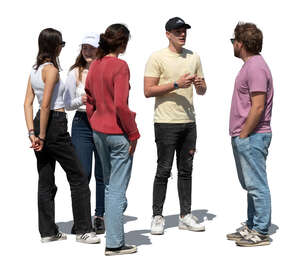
{"points": [[254, 76]]}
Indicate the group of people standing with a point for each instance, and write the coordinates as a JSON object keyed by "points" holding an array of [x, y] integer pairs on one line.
{"points": [[104, 127]]}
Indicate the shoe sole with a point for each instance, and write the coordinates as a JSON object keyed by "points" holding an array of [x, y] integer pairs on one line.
{"points": [[156, 233], [100, 232], [121, 252], [265, 243], [85, 242], [191, 229], [53, 240]]}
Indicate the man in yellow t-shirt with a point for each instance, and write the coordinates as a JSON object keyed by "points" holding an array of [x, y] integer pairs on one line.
{"points": [[169, 77]]}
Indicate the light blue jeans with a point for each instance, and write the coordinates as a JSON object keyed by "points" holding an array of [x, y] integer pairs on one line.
{"points": [[116, 162], [250, 156]]}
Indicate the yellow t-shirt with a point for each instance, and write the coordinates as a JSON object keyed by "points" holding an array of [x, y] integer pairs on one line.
{"points": [[176, 106]]}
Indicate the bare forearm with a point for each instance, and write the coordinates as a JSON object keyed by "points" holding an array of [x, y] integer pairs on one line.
{"points": [[44, 117], [252, 121], [28, 110], [159, 90]]}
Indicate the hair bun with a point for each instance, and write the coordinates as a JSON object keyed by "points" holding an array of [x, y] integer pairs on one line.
{"points": [[103, 43]]}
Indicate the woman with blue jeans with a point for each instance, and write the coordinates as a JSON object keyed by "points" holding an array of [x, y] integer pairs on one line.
{"points": [[114, 130], [82, 133]]}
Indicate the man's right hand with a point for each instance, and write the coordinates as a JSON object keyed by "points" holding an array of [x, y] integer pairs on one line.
{"points": [[186, 80]]}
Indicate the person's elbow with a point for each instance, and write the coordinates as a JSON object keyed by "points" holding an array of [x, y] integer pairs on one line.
{"points": [[121, 110], [45, 106], [27, 105], [259, 109], [147, 92]]}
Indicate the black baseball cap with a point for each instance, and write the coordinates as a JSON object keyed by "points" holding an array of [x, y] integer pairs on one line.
{"points": [[176, 23]]}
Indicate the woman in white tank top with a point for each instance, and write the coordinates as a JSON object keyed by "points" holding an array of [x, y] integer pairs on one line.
{"points": [[82, 133], [51, 142]]}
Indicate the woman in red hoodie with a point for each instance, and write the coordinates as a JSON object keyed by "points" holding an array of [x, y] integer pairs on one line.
{"points": [[114, 130]]}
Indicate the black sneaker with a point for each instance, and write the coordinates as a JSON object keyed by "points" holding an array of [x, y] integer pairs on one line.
{"points": [[126, 249], [99, 225], [254, 239]]}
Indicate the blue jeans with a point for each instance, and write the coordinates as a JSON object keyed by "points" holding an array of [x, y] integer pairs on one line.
{"points": [[250, 156], [82, 139], [117, 163]]}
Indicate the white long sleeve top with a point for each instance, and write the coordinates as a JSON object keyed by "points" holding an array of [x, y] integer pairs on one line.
{"points": [[73, 92]]}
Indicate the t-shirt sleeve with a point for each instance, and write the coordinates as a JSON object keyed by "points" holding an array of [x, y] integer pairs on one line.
{"points": [[152, 68], [199, 70], [257, 80]]}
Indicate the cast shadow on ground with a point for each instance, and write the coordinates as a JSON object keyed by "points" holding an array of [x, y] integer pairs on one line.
{"points": [[66, 227], [273, 229], [142, 237]]}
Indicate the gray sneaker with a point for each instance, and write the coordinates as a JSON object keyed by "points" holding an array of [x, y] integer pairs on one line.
{"points": [[59, 236], [239, 234], [254, 239]]}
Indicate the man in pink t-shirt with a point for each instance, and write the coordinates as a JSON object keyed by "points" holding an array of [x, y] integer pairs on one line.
{"points": [[250, 118]]}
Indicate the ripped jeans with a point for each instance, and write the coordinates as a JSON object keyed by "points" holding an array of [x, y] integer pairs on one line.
{"points": [[171, 137]]}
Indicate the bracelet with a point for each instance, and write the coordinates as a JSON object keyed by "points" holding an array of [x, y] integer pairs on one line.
{"points": [[30, 132], [41, 139]]}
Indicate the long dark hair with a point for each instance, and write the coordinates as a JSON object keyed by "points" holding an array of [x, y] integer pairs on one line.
{"points": [[80, 63], [49, 41], [116, 36]]}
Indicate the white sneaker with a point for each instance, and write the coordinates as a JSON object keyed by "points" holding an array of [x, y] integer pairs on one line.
{"points": [[88, 238], [57, 237], [190, 222], [157, 225]]}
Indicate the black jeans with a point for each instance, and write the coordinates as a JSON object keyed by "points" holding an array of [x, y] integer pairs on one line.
{"points": [[58, 147], [171, 137]]}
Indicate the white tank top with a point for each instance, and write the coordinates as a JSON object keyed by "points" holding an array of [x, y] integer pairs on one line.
{"points": [[38, 85]]}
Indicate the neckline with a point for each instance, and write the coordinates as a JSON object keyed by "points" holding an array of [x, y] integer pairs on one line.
{"points": [[175, 53], [110, 57]]}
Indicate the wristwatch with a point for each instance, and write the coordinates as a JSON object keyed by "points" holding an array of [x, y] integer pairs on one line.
{"points": [[176, 85]]}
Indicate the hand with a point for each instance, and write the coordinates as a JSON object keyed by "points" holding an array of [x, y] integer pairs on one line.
{"points": [[39, 144], [84, 99], [199, 82], [200, 85], [132, 147], [243, 136], [185, 80], [33, 139]]}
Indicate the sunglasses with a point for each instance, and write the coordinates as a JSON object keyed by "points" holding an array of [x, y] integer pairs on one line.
{"points": [[232, 40], [62, 44]]}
